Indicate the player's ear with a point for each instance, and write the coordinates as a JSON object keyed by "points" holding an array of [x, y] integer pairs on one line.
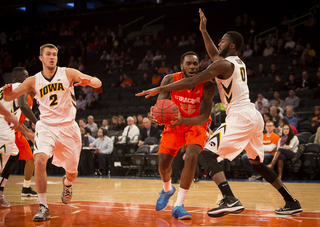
{"points": [[181, 67], [233, 46], [40, 58]]}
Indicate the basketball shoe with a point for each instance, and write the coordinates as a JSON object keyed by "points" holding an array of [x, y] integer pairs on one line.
{"points": [[180, 213], [290, 208], [227, 205], [28, 192], [3, 203], [66, 192], [43, 214], [163, 200]]}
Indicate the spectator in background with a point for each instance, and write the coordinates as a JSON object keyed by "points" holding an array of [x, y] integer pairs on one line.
{"points": [[149, 55], [276, 95], [259, 107], [81, 103], [156, 79], [290, 44], [105, 124], [290, 116], [291, 84], [286, 149], [183, 42], [275, 115], [148, 130], [83, 124], [92, 126], [305, 82], [103, 146], [92, 104], [263, 100], [315, 122], [143, 65], [145, 79], [127, 82], [278, 84], [268, 51], [138, 42], [205, 62], [248, 51], [131, 131], [261, 71], [72, 63], [91, 92], [119, 82], [83, 134], [163, 69], [121, 123], [273, 71], [113, 124], [291, 100]]}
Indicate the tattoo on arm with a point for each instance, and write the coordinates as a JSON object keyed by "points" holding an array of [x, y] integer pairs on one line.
{"points": [[166, 80]]}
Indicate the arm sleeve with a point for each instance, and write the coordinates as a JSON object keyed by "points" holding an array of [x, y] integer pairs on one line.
{"points": [[269, 148]]}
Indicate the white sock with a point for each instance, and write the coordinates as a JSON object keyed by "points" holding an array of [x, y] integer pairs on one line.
{"points": [[167, 186], [66, 182], [43, 199], [26, 183], [182, 194]]}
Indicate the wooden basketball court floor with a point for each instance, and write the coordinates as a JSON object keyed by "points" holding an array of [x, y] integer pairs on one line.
{"points": [[102, 201]]}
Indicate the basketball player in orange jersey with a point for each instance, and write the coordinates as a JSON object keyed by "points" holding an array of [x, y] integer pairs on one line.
{"points": [[18, 75], [190, 129], [244, 124], [56, 132]]}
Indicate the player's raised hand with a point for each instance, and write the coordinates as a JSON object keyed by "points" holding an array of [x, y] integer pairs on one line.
{"points": [[7, 91], [203, 21], [149, 93], [83, 81]]}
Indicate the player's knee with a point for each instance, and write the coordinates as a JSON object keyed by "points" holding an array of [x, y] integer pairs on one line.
{"points": [[267, 173], [209, 161]]}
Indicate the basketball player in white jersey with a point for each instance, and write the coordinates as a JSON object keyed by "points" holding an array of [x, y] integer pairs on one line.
{"points": [[244, 124], [8, 149], [56, 132], [9, 117]]}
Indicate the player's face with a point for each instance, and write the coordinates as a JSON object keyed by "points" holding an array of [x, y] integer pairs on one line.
{"points": [[190, 65], [224, 46], [49, 58]]}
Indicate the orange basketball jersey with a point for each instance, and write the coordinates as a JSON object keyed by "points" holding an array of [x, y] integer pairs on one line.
{"points": [[188, 101]]}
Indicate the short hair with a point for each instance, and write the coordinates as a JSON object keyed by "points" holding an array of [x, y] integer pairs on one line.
{"points": [[316, 108], [269, 121], [188, 53], [236, 38], [18, 74], [82, 119], [90, 116], [48, 45]]}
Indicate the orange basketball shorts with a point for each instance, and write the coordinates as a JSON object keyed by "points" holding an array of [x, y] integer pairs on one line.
{"points": [[23, 146], [174, 138]]}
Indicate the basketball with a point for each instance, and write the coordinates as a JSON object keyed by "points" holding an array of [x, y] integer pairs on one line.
{"points": [[165, 111]]}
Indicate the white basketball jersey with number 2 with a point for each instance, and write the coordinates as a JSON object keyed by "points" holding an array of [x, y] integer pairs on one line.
{"points": [[56, 98]]}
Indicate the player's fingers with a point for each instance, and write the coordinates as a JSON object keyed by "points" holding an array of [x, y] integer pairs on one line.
{"points": [[140, 93]]}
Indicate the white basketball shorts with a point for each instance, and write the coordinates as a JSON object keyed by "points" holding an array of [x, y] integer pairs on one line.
{"points": [[243, 130], [63, 142], [7, 146]]}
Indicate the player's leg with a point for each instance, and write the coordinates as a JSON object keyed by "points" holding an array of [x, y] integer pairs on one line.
{"points": [[187, 175], [43, 146], [292, 205], [228, 143], [169, 146], [10, 163], [28, 172]]}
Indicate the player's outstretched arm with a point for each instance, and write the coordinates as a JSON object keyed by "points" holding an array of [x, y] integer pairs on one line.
{"points": [[217, 68], [9, 117], [9, 94], [211, 48], [82, 79]]}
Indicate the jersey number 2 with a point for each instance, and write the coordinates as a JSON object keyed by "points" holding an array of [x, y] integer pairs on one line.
{"points": [[53, 99]]}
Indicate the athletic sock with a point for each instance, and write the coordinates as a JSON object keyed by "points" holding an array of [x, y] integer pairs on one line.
{"points": [[67, 183], [43, 199], [26, 183], [286, 194], [167, 186], [225, 189], [182, 194]]}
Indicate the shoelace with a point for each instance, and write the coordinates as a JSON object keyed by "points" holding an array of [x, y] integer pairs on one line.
{"points": [[67, 191], [221, 201]]}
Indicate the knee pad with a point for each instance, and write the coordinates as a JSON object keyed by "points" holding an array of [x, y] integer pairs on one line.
{"points": [[209, 162], [267, 173]]}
